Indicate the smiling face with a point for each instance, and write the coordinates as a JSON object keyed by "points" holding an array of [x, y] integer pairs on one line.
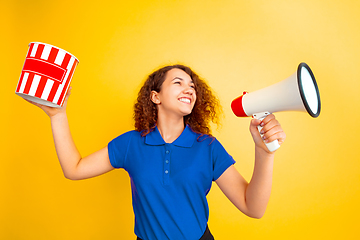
{"points": [[177, 95]]}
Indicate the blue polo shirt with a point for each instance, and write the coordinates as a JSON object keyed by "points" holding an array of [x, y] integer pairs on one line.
{"points": [[169, 181]]}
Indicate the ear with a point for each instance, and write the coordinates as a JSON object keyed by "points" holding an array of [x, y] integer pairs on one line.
{"points": [[154, 96]]}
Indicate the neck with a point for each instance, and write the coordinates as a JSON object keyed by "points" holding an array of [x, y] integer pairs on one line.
{"points": [[170, 128]]}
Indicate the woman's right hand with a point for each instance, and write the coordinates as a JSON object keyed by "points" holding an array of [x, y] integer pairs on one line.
{"points": [[52, 111]]}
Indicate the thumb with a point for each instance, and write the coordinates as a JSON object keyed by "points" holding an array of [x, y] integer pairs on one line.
{"points": [[254, 130], [253, 125], [67, 97]]}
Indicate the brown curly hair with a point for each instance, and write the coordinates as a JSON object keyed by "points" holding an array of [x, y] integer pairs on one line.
{"points": [[207, 106]]}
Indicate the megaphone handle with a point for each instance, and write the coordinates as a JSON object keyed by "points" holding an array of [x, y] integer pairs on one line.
{"points": [[274, 145]]}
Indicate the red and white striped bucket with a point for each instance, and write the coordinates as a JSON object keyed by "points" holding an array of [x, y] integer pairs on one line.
{"points": [[46, 75]]}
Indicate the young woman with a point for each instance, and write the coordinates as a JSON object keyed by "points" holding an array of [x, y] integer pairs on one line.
{"points": [[172, 158]]}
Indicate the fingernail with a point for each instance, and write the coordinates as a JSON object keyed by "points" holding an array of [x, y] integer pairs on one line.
{"points": [[262, 124], [261, 132]]}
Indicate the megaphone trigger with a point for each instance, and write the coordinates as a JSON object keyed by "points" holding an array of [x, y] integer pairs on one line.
{"points": [[272, 146]]}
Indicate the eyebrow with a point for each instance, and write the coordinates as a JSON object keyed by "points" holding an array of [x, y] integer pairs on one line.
{"points": [[182, 79]]}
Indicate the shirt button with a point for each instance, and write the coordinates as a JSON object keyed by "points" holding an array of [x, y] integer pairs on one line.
{"points": [[167, 161], [167, 151], [166, 171]]}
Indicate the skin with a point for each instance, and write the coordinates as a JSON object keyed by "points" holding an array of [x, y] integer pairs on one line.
{"points": [[171, 109], [251, 198]]}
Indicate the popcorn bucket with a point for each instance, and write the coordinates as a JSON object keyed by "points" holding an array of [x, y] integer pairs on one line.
{"points": [[46, 75]]}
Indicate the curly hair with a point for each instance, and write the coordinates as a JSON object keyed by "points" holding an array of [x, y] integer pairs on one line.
{"points": [[207, 106]]}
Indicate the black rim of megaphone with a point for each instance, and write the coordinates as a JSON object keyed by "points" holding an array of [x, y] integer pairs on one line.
{"points": [[308, 109]]}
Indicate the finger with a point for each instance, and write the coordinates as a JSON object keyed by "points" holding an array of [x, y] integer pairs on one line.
{"points": [[267, 119], [255, 122], [255, 132], [272, 130], [68, 93], [253, 126], [276, 133], [269, 125], [67, 96]]}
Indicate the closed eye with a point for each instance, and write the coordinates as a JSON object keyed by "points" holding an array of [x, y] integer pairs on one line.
{"points": [[178, 80]]}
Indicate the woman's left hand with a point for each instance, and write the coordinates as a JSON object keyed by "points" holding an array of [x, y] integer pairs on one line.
{"points": [[271, 131]]}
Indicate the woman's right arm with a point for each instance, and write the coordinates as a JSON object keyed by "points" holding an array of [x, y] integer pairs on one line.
{"points": [[73, 165]]}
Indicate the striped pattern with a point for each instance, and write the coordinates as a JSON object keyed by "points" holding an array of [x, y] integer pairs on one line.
{"points": [[47, 73]]}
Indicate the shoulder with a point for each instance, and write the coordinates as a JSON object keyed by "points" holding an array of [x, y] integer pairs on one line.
{"points": [[130, 133], [119, 147], [211, 142], [126, 137]]}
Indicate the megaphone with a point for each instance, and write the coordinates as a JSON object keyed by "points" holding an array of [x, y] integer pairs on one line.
{"points": [[299, 92]]}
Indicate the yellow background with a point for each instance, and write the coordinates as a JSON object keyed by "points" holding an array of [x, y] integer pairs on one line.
{"points": [[235, 46]]}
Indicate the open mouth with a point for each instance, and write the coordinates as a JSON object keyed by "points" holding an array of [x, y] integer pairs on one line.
{"points": [[185, 100]]}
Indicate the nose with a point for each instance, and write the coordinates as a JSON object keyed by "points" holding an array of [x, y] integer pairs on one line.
{"points": [[189, 90]]}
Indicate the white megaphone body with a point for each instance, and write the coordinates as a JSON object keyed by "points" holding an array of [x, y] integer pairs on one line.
{"points": [[299, 92]]}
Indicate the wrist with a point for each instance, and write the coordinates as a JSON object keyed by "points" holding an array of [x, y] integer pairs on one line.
{"points": [[58, 116], [264, 153]]}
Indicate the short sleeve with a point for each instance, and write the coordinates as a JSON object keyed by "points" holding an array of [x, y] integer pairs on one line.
{"points": [[118, 149], [221, 159]]}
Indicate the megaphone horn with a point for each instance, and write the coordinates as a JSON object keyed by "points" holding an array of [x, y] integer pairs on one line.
{"points": [[299, 92]]}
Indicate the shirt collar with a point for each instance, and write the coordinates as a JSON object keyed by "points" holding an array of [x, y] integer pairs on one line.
{"points": [[186, 138]]}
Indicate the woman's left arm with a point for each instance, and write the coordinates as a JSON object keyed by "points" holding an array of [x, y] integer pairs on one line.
{"points": [[252, 198]]}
